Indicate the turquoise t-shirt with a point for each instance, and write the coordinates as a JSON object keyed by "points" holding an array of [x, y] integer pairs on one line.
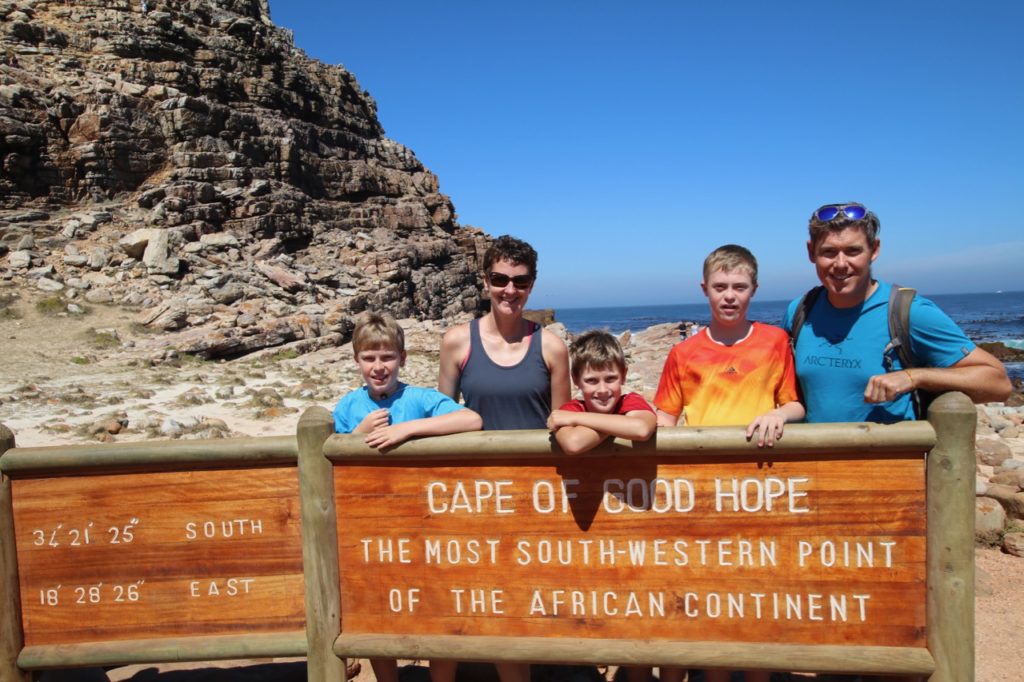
{"points": [[839, 349], [407, 403]]}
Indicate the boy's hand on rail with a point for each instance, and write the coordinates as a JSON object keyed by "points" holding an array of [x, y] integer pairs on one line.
{"points": [[560, 418], [768, 427], [373, 421], [386, 437]]}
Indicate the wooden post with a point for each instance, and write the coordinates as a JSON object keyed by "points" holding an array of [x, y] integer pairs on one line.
{"points": [[319, 547], [11, 638], [951, 538]]}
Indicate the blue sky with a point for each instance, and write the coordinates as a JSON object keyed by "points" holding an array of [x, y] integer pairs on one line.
{"points": [[627, 140]]}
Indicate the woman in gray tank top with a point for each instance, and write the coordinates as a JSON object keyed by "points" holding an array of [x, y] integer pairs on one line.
{"points": [[509, 370]]}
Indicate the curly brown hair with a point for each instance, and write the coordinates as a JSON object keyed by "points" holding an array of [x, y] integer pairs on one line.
{"points": [[516, 251]]}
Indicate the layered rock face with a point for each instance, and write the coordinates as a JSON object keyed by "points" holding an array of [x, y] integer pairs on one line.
{"points": [[184, 157]]}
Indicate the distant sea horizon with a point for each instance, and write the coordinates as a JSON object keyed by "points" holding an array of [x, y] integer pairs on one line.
{"points": [[984, 317]]}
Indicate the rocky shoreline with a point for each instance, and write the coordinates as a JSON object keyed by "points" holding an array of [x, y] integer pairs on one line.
{"points": [[98, 376], [105, 378]]}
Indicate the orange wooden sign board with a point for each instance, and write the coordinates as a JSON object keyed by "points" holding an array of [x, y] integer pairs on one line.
{"points": [[120, 557], [830, 551]]}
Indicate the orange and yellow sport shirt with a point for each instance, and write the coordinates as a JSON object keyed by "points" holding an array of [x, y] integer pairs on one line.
{"points": [[718, 385]]}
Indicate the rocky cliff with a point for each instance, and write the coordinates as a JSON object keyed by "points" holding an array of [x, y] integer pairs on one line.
{"points": [[186, 158]]}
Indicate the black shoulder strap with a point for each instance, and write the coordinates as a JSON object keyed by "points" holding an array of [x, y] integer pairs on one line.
{"points": [[803, 308], [900, 299]]}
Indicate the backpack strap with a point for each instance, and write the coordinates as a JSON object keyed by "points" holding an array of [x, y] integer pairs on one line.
{"points": [[900, 299], [803, 308]]}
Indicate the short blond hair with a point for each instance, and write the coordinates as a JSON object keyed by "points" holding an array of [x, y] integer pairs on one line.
{"points": [[729, 258], [596, 349], [377, 331]]}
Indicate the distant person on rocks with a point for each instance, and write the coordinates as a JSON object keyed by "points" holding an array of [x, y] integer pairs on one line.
{"points": [[390, 412], [599, 372], [508, 369], [847, 362], [732, 372]]}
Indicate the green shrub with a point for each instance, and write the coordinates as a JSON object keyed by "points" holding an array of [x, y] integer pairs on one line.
{"points": [[51, 305], [102, 339], [7, 309]]}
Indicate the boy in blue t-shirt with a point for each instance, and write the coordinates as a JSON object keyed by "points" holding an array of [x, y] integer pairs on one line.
{"points": [[390, 412]]}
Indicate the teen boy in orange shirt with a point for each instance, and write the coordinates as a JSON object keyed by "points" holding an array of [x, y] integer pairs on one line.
{"points": [[733, 372]]}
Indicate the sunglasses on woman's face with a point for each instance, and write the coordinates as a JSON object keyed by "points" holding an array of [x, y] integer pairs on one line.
{"points": [[832, 211], [500, 280]]}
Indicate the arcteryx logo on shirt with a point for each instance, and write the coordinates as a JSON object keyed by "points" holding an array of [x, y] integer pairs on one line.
{"points": [[825, 361], [831, 361]]}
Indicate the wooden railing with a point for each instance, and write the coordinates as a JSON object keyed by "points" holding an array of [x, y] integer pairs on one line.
{"points": [[846, 548]]}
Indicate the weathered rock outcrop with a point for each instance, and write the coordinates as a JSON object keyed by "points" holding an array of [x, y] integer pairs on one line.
{"points": [[189, 159]]}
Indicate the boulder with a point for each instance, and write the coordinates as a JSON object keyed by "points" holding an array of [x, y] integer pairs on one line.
{"points": [[991, 451], [1013, 543], [989, 521], [1010, 497]]}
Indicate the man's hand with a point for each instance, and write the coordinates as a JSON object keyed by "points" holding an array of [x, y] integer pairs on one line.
{"points": [[373, 421], [883, 388]]}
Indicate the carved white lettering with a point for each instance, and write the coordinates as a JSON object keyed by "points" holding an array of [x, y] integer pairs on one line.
{"points": [[756, 495], [473, 497], [846, 553], [220, 529], [228, 587]]}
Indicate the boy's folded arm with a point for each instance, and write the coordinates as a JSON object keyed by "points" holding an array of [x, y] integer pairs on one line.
{"points": [[460, 420], [453, 422], [635, 425], [575, 440]]}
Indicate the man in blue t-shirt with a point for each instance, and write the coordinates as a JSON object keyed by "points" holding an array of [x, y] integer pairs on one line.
{"points": [[840, 351]]}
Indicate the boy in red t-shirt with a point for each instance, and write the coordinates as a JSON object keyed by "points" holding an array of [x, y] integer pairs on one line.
{"points": [[599, 371]]}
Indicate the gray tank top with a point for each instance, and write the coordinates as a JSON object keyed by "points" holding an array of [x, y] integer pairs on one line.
{"points": [[515, 397]]}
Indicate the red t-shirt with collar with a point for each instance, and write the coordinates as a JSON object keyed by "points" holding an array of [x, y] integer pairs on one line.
{"points": [[630, 402]]}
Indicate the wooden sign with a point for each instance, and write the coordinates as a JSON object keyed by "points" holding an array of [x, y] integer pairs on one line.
{"points": [[816, 550], [132, 556]]}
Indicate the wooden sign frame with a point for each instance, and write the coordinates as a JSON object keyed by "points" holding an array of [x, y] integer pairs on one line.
{"points": [[948, 438]]}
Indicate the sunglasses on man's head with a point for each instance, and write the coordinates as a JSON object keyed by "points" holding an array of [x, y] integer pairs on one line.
{"points": [[501, 280], [830, 212]]}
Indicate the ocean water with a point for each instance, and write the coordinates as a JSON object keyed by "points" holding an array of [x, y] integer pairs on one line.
{"points": [[984, 317]]}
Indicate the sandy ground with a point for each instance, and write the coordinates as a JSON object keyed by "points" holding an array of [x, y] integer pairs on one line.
{"points": [[63, 377]]}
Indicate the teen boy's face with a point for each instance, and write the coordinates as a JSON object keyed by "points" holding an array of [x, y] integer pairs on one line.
{"points": [[843, 261], [729, 295], [601, 388], [380, 370]]}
